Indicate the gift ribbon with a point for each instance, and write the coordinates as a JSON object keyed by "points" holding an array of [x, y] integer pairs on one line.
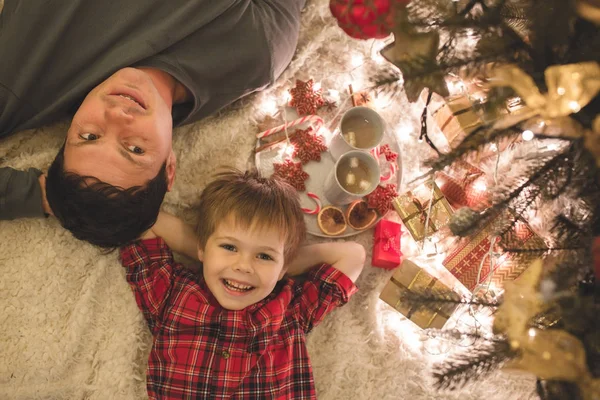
{"points": [[434, 311], [422, 209], [389, 242], [570, 88]]}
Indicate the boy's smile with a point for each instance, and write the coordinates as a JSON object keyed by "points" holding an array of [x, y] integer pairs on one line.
{"points": [[241, 266]]}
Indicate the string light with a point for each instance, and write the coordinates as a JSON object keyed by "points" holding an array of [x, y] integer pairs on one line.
{"points": [[480, 186], [493, 147], [269, 106], [528, 135], [356, 60], [574, 106]]}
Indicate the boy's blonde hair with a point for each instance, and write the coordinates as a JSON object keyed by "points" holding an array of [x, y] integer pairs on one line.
{"points": [[254, 202]]}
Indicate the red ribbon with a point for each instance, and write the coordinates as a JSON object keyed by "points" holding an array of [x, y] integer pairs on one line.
{"points": [[389, 242]]}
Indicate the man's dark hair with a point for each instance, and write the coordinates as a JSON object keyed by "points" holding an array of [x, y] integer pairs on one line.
{"points": [[95, 211]]}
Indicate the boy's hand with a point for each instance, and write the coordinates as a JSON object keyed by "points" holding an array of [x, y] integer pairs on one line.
{"points": [[347, 257], [180, 237]]}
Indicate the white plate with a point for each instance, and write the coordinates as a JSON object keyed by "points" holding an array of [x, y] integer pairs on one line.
{"points": [[318, 171]]}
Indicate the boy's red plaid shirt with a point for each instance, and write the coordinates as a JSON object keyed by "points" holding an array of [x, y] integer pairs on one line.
{"points": [[201, 350]]}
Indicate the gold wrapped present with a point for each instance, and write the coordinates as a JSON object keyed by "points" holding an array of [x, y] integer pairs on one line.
{"points": [[457, 118], [413, 209], [410, 277]]}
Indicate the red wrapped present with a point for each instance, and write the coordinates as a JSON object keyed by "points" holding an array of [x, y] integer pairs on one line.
{"points": [[464, 185], [411, 278], [386, 247], [465, 260]]}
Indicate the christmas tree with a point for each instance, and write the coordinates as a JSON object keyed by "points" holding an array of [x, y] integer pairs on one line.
{"points": [[533, 66]]}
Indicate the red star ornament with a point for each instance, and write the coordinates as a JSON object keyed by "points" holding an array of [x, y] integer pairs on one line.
{"points": [[305, 98], [381, 198], [292, 173], [308, 146]]}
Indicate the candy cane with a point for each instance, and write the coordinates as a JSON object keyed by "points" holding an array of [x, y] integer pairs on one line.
{"points": [[375, 152], [316, 120], [317, 200], [393, 169]]}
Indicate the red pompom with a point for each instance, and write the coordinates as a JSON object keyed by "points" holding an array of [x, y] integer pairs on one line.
{"points": [[365, 19]]}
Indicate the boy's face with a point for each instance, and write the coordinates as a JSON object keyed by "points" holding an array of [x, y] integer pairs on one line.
{"points": [[242, 266]]}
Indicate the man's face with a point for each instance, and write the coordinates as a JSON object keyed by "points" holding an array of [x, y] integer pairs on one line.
{"points": [[122, 132], [242, 266]]}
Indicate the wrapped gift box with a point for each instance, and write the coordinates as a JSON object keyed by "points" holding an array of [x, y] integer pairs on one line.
{"points": [[457, 118], [413, 206], [410, 277], [466, 258], [386, 246], [464, 185]]}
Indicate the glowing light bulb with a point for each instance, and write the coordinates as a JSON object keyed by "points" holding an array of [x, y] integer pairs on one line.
{"points": [[287, 97], [493, 147], [528, 135], [269, 106], [335, 95], [480, 186], [356, 60], [289, 150], [561, 91], [531, 332], [317, 86], [574, 106]]}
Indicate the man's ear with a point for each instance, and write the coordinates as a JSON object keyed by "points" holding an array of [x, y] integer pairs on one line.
{"points": [[171, 167]]}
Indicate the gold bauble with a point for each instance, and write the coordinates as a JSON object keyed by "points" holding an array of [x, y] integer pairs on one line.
{"points": [[589, 9]]}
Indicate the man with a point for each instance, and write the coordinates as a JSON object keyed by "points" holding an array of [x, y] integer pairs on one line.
{"points": [[132, 69]]}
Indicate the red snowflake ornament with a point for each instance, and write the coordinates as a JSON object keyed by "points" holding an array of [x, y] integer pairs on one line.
{"points": [[305, 98], [390, 155], [308, 146], [381, 198], [292, 173]]}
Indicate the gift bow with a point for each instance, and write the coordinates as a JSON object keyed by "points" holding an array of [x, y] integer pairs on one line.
{"points": [[422, 209], [549, 354], [389, 242], [570, 88]]}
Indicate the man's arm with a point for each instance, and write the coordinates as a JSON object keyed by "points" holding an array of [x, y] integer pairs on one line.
{"points": [[178, 235], [346, 257], [22, 194]]}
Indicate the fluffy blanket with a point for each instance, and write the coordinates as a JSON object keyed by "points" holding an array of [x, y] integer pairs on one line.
{"points": [[69, 325]]}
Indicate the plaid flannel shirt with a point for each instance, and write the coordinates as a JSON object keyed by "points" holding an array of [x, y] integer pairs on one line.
{"points": [[201, 350]]}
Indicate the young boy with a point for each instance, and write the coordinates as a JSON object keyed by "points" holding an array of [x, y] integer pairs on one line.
{"points": [[238, 331]]}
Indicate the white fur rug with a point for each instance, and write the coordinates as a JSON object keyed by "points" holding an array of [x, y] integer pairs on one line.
{"points": [[69, 325]]}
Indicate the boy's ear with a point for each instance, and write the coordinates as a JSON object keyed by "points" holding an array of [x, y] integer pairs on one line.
{"points": [[200, 253], [282, 274]]}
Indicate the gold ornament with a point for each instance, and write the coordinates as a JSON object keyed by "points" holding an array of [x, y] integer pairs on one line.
{"points": [[548, 354], [589, 9], [408, 48], [570, 87]]}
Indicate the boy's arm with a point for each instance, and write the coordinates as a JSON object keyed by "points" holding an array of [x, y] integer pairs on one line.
{"points": [[151, 273], [346, 257], [178, 235]]}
